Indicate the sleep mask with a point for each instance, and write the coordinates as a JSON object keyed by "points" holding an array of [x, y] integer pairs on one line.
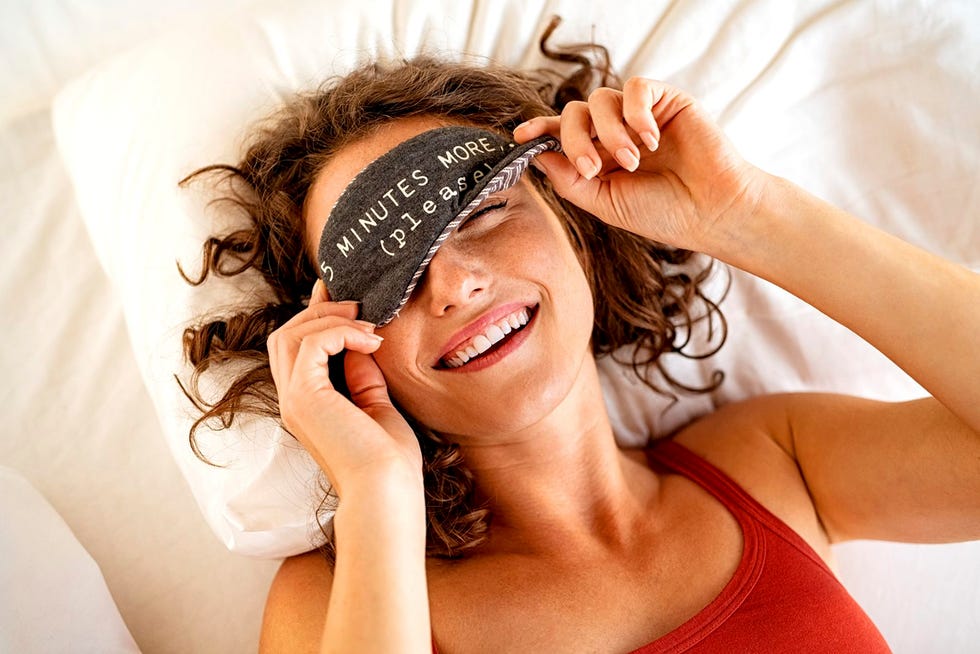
{"points": [[395, 214]]}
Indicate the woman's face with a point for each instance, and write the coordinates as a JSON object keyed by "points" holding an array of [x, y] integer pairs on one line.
{"points": [[508, 278]]}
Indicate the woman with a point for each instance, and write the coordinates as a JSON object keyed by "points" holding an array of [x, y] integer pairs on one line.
{"points": [[716, 539]]}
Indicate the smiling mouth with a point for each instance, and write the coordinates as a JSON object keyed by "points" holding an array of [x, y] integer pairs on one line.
{"points": [[495, 336]]}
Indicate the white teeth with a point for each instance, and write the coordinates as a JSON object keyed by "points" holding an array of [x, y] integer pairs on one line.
{"points": [[493, 334], [481, 343]]}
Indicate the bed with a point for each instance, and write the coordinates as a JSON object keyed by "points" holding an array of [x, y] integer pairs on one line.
{"points": [[105, 105]]}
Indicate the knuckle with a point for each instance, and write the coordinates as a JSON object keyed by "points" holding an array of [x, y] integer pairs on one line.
{"points": [[603, 93], [636, 83]]}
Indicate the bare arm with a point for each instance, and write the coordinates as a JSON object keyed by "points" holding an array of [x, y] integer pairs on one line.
{"points": [[378, 598], [696, 192], [379, 601], [375, 598], [907, 471], [921, 311], [651, 161]]}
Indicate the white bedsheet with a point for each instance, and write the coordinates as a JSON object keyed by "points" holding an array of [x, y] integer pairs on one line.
{"points": [[78, 422], [81, 427]]}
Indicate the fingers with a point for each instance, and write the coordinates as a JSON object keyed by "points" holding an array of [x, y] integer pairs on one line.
{"points": [[365, 381], [347, 310], [315, 350], [611, 126], [576, 139], [323, 323], [288, 341], [319, 293], [302, 346], [346, 435], [640, 96], [367, 386], [369, 392], [536, 127], [303, 358], [606, 110]]}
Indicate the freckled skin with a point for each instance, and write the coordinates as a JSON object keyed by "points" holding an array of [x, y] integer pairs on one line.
{"points": [[517, 253]]}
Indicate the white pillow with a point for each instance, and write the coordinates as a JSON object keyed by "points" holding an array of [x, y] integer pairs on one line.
{"points": [[45, 43], [872, 107], [53, 597]]}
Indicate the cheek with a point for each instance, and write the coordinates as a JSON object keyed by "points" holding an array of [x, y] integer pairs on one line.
{"points": [[409, 387], [556, 264], [396, 360], [541, 254]]}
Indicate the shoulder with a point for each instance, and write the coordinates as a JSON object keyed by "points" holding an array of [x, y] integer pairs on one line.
{"points": [[765, 421], [751, 442], [296, 608], [736, 434]]}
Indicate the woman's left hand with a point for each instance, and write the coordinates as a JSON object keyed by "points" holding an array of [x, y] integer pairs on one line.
{"points": [[648, 159]]}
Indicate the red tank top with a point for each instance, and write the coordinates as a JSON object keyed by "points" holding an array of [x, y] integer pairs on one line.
{"points": [[782, 598]]}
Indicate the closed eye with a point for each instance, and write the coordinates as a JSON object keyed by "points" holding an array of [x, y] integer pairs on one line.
{"points": [[482, 212]]}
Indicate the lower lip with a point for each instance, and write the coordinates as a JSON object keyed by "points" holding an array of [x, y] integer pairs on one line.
{"points": [[512, 344]]}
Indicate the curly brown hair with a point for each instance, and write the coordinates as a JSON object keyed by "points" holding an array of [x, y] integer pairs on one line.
{"points": [[646, 294]]}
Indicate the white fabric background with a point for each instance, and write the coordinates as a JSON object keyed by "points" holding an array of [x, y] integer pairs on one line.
{"points": [[68, 584], [900, 149]]}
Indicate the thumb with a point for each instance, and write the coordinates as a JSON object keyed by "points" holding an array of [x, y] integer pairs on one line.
{"points": [[369, 391], [568, 182], [364, 381]]}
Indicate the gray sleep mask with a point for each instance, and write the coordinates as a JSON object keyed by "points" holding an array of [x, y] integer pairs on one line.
{"points": [[396, 213]]}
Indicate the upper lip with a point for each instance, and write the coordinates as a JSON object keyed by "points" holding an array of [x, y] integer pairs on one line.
{"points": [[479, 325]]}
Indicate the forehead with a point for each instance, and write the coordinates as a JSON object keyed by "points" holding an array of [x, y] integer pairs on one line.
{"points": [[350, 160]]}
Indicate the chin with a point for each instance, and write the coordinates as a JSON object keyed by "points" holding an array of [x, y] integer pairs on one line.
{"points": [[542, 379], [489, 411]]}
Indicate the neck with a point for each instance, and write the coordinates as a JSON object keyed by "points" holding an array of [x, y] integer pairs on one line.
{"points": [[562, 484]]}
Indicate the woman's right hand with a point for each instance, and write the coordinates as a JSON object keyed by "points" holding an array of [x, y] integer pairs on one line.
{"points": [[372, 458], [363, 439]]}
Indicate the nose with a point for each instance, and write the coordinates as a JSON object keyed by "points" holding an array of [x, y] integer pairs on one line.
{"points": [[454, 279]]}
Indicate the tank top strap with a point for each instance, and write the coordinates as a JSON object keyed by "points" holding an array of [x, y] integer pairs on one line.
{"points": [[677, 458]]}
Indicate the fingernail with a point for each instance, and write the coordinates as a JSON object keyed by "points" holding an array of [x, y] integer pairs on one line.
{"points": [[522, 125], [627, 158], [586, 167], [348, 302], [650, 141], [376, 337], [365, 323]]}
